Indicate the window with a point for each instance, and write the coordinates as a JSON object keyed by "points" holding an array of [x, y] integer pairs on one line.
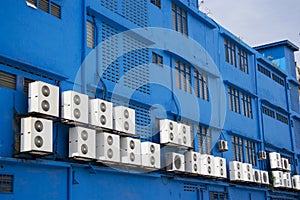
{"points": [[47, 6], [278, 79], [234, 103], [243, 60], [157, 59], [282, 118], [246, 105], [200, 85], [183, 76], [179, 19], [250, 152], [156, 2], [90, 34], [217, 196], [268, 112], [8, 80], [237, 148], [204, 140], [230, 52], [264, 71], [6, 183]]}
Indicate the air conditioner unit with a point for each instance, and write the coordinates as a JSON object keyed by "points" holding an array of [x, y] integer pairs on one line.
{"points": [[36, 135], [150, 155], [262, 155], [168, 131], [236, 171], [296, 182], [220, 170], [107, 147], [192, 162], [275, 160], [264, 177], [256, 176], [175, 162], [43, 98], [124, 119], [75, 106], [277, 179], [101, 113], [130, 151], [206, 165], [247, 172], [184, 135], [286, 166], [82, 143], [287, 180], [223, 145]]}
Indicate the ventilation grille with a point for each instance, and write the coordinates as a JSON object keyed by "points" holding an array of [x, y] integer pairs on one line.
{"points": [[135, 65], [44, 5], [110, 52], [189, 187], [90, 31], [6, 183], [110, 4], [32, 2], [294, 98], [142, 122], [7, 80], [297, 132], [135, 11], [55, 10]]}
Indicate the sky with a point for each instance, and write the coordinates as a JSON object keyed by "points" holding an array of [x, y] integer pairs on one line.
{"points": [[258, 22]]}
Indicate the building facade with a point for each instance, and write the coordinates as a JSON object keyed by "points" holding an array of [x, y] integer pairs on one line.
{"points": [[164, 59]]}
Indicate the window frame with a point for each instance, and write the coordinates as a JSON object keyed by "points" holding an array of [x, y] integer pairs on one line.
{"points": [[36, 4], [201, 85], [179, 19], [157, 59], [250, 149], [183, 76], [230, 52], [204, 140], [243, 60], [246, 105], [157, 3], [237, 144], [234, 99]]}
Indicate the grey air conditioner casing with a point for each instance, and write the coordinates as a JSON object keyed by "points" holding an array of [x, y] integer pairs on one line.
{"points": [[220, 169], [296, 182], [275, 160], [175, 162], [192, 164], [74, 106], [286, 166], [262, 155], [247, 172], [43, 98], [264, 177], [287, 180], [277, 179], [130, 151], [101, 113], [108, 147], [150, 153], [206, 165], [82, 143], [36, 135], [168, 131], [236, 171], [124, 119], [223, 145], [184, 135], [256, 176]]}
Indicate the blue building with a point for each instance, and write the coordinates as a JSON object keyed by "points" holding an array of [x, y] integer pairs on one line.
{"points": [[164, 59]]}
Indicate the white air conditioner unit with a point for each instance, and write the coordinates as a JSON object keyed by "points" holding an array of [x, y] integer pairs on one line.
{"points": [[150, 155], [275, 160], [175, 162], [287, 180], [223, 145], [264, 177], [262, 155], [82, 143], [108, 147], [36, 135], [296, 182], [168, 131], [130, 151], [43, 98], [286, 166], [192, 162], [256, 176], [220, 169], [184, 135], [206, 165], [101, 113], [247, 172], [236, 171], [277, 179], [75, 106], [124, 119]]}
